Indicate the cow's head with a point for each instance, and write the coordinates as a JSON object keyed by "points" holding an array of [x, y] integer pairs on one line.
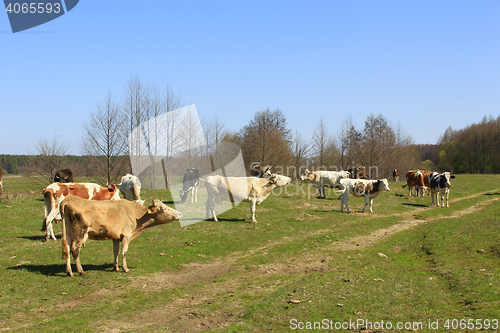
{"points": [[278, 180], [383, 185], [307, 175], [184, 195], [163, 213], [114, 191], [447, 176]]}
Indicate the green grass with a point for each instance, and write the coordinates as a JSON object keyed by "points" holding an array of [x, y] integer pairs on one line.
{"points": [[293, 264]]}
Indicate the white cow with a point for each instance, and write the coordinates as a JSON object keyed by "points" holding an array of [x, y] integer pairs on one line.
{"points": [[322, 179], [362, 188], [130, 187], [237, 189], [440, 183]]}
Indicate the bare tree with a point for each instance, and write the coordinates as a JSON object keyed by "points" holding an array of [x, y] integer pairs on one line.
{"points": [[300, 150], [215, 134], [105, 141], [266, 139], [323, 146], [51, 157], [152, 119]]}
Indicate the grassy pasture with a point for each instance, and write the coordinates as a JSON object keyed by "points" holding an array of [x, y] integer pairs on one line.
{"points": [[304, 262]]}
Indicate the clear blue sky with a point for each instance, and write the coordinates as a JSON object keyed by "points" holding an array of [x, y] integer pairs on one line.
{"points": [[424, 64]]}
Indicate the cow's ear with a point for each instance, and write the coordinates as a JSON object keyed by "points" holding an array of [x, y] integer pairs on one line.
{"points": [[452, 177], [153, 210], [111, 187]]}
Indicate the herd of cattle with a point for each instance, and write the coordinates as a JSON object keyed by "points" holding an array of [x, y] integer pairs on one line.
{"points": [[89, 210]]}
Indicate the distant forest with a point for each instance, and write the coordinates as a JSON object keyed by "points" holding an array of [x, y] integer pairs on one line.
{"points": [[474, 149]]}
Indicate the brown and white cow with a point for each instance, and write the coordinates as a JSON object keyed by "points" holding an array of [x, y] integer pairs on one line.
{"points": [[395, 175], [321, 179], [117, 220], [130, 187], [237, 189], [260, 171], [369, 189], [415, 180], [427, 181], [440, 183], [63, 176], [55, 193]]}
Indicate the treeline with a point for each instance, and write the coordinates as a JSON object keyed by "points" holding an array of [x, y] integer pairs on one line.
{"points": [[150, 120], [474, 149]]}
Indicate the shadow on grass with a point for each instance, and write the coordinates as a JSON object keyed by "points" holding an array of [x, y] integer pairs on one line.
{"points": [[40, 238], [490, 194], [414, 205], [60, 270]]}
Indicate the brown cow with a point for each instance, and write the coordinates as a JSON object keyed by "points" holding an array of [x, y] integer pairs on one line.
{"points": [[56, 192], [415, 179], [118, 220]]}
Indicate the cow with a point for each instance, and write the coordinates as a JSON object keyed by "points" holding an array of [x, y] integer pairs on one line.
{"points": [[427, 181], [357, 173], [236, 189], [63, 176], [1, 181], [190, 183], [56, 192], [260, 171], [415, 179], [369, 189], [120, 221], [321, 179], [440, 183], [395, 175], [130, 188]]}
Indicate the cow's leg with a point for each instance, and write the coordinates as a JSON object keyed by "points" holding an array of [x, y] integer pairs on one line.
{"points": [[66, 241], [344, 201], [48, 223], [125, 243], [76, 245], [116, 251], [367, 202], [210, 209], [196, 194], [252, 210], [446, 195]]}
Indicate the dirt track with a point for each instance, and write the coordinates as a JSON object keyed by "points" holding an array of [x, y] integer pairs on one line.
{"points": [[187, 313]]}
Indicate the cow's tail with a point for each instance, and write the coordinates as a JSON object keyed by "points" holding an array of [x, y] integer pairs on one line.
{"points": [[405, 185], [46, 201], [339, 189], [65, 248]]}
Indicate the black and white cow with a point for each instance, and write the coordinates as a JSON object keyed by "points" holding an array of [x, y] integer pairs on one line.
{"points": [[440, 183], [395, 175], [63, 176], [190, 183]]}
